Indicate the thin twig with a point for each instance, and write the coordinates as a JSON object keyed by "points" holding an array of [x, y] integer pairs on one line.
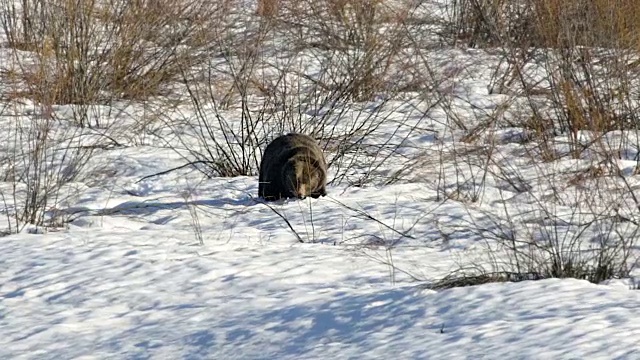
{"points": [[285, 220], [364, 214], [175, 168]]}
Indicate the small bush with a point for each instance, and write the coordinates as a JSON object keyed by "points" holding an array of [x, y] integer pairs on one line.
{"points": [[42, 160], [86, 52], [545, 23]]}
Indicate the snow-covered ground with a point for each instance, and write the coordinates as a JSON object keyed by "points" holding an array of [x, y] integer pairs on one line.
{"points": [[131, 281], [181, 266], [149, 293], [137, 285]]}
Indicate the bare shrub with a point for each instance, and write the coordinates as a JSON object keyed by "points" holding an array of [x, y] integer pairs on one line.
{"points": [[297, 73], [225, 86], [568, 83], [40, 163], [595, 247], [550, 220], [581, 85], [359, 43], [544, 23], [479, 23], [94, 52]]}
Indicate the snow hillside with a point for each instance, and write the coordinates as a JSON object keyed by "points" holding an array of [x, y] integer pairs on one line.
{"points": [[137, 294], [135, 283], [471, 214]]}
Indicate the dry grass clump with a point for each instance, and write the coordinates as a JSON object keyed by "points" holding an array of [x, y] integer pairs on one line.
{"points": [[546, 23], [95, 51]]}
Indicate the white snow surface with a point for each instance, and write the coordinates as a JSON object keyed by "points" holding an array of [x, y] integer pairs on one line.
{"points": [[148, 293], [137, 285]]}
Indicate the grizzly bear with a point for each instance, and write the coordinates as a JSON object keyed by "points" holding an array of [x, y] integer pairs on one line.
{"points": [[292, 166]]}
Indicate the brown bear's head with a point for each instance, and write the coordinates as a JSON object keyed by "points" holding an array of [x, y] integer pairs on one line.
{"points": [[301, 178]]}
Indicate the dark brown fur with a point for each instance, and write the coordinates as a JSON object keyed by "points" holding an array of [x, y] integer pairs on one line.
{"points": [[293, 166]]}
